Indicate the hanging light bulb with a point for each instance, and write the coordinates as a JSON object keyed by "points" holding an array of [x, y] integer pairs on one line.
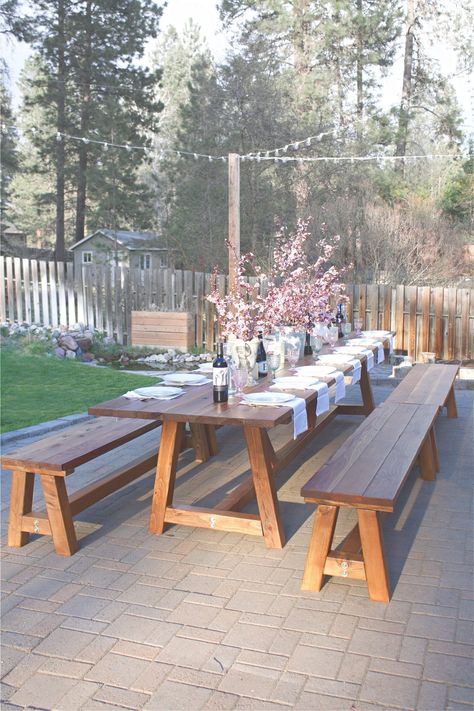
{"points": [[308, 142], [59, 137], [105, 147]]}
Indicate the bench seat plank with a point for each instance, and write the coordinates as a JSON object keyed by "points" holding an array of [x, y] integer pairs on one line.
{"points": [[65, 450], [426, 384], [370, 468]]}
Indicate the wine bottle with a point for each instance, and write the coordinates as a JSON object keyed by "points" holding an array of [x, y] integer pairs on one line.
{"points": [[220, 376], [307, 344], [340, 319], [261, 357]]}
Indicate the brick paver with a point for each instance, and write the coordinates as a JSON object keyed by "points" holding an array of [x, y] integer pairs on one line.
{"points": [[196, 619]]}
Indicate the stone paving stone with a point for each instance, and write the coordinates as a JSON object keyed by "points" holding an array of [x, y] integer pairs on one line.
{"points": [[222, 659], [20, 641], [201, 633], [428, 626], [397, 668], [195, 677], [448, 669], [198, 583], [288, 688], [378, 644], [221, 701], [413, 649], [135, 629], [110, 611], [132, 649], [64, 643], [285, 642], [353, 668], [331, 687], [121, 697], [315, 621], [43, 691], [96, 649], [324, 641], [250, 637], [9, 659], [5, 693], [255, 618], [117, 670], [246, 704], [179, 697], [21, 620], [224, 620], [249, 681], [464, 632], [83, 625], [390, 690], [79, 696], [64, 667], [82, 606], [461, 694], [142, 594], [344, 625], [260, 659], [250, 602], [314, 661], [196, 615], [431, 696], [26, 667], [187, 652], [150, 679]]}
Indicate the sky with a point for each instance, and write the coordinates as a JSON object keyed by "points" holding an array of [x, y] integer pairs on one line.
{"points": [[205, 14]]}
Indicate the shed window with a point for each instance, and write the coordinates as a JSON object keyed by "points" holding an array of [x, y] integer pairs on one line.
{"points": [[86, 257], [145, 261]]}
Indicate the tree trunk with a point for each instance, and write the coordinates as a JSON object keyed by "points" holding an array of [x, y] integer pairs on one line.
{"points": [[60, 126], [84, 129], [360, 72], [407, 88]]}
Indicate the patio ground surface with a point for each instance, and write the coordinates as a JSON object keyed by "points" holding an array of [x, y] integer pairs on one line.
{"points": [[198, 619]]}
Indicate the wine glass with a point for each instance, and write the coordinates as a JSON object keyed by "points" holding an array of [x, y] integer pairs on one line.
{"points": [[358, 323], [292, 353], [333, 336], [273, 360], [240, 376], [317, 342], [346, 330]]}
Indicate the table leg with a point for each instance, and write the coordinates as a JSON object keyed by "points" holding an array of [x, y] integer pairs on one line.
{"points": [[20, 503], [368, 403], [200, 442], [260, 456], [170, 445]]}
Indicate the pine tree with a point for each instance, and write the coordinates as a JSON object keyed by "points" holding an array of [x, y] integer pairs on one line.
{"points": [[8, 146]]}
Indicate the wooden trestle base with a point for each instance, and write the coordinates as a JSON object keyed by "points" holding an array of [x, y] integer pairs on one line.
{"points": [[265, 463]]}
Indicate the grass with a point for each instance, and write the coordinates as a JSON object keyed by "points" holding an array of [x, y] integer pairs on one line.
{"points": [[36, 389]]}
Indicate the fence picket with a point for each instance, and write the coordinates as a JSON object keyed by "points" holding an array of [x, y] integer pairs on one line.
{"points": [[61, 293], [71, 294], [10, 289], [3, 301], [18, 289], [36, 294], [53, 296], [44, 293]]}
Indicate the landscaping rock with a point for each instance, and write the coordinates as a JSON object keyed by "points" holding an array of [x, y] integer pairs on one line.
{"points": [[69, 343], [60, 352], [85, 343], [70, 354], [87, 358]]}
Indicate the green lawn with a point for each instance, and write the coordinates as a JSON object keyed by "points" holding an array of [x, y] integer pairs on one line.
{"points": [[36, 388]]}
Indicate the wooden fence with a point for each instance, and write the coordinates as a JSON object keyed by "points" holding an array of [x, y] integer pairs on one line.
{"points": [[437, 319]]}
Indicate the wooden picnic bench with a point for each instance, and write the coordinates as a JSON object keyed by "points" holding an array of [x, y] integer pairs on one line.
{"points": [[428, 384], [56, 457], [367, 473]]}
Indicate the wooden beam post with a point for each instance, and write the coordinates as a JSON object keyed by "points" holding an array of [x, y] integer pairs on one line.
{"points": [[234, 216]]}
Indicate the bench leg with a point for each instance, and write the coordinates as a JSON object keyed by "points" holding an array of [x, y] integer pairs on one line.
{"points": [[200, 443], [319, 547], [434, 448], [427, 459], [374, 560], [59, 514], [20, 503], [451, 404], [212, 440]]}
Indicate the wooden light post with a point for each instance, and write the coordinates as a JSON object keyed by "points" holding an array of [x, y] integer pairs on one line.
{"points": [[234, 216]]}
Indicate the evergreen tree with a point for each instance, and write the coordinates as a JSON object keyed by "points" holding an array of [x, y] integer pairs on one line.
{"points": [[8, 146]]}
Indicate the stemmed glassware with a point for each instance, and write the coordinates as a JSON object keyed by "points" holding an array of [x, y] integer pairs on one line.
{"points": [[358, 323], [317, 343], [346, 330], [273, 345], [239, 376], [292, 352], [333, 336]]}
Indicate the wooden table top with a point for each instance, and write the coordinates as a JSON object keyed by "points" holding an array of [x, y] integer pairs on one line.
{"points": [[196, 404]]}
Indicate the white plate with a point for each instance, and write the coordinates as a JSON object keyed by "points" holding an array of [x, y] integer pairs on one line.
{"points": [[334, 358], [361, 342], [205, 367], [267, 398], [184, 379], [351, 350], [315, 370], [295, 382], [376, 334], [158, 391]]}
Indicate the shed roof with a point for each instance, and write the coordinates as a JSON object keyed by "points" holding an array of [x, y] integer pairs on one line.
{"points": [[130, 240]]}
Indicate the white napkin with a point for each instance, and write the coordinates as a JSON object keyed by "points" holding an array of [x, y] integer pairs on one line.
{"points": [[340, 386], [384, 335], [357, 350], [132, 395], [300, 418], [370, 358], [322, 403], [369, 342], [356, 370]]}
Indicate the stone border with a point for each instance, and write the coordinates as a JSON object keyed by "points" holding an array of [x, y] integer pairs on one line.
{"points": [[43, 428]]}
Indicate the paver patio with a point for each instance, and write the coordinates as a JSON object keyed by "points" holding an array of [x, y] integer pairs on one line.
{"points": [[203, 619]]}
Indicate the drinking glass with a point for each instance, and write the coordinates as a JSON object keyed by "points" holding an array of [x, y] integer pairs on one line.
{"points": [[292, 353], [273, 360], [333, 336], [346, 330], [240, 376], [317, 342], [358, 323]]}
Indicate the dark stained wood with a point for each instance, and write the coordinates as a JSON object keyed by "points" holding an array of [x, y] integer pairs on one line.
{"points": [[65, 450], [427, 384], [400, 318], [425, 318], [412, 293], [451, 404], [387, 308], [452, 294], [426, 460], [438, 321]]}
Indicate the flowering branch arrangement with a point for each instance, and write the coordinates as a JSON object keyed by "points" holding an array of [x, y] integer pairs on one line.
{"points": [[240, 311], [298, 292]]}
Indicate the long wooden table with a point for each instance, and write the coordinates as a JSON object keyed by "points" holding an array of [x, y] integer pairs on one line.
{"points": [[196, 407]]}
